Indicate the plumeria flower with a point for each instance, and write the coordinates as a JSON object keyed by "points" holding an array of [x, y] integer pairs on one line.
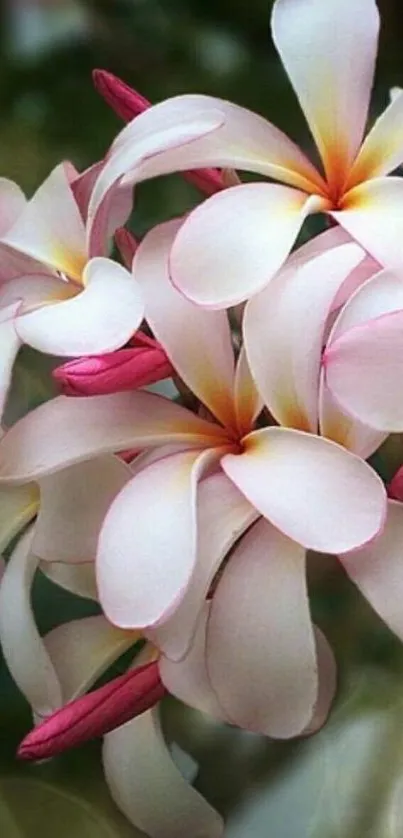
{"points": [[231, 245], [308, 492], [69, 304]]}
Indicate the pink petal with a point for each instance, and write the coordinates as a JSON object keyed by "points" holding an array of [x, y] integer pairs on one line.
{"points": [[197, 342], [248, 400], [311, 36], [244, 141], [231, 245], [127, 246], [284, 329], [24, 651], [9, 347], [65, 431], [99, 319], [125, 369], [313, 490], [147, 546], [327, 675], [148, 137], [362, 360], [261, 657], [82, 650], [223, 514], [148, 788], [74, 503], [51, 229], [188, 679], [371, 214], [382, 151], [12, 204], [95, 714], [377, 570], [341, 427], [395, 487], [128, 103]]}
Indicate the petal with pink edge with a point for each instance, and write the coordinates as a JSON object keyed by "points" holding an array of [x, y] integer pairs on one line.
{"points": [[147, 546], [12, 204], [73, 505], [377, 570], [327, 676], [371, 214], [284, 329], [261, 656], [148, 788], [67, 430], [81, 650], [23, 648], [362, 360], [313, 490], [148, 137], [341, 427], [232, 245], [319, 44], [197, 342], [9, 347], [50, 229], [223, 515], [101, 318], [188, 679], [382, 151]]}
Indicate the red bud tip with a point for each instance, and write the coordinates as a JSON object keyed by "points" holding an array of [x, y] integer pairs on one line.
{"points": [[95, 713]]}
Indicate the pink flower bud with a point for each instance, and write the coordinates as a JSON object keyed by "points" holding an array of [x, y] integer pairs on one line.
{"points": [[127, 103], [127, 246], [395, 487], [145, 362], [95, 713]]}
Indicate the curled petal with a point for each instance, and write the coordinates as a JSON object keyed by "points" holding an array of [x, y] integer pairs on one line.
{"points": [[99, 319], [128, 103], [232, 245], [9, 347], [127, 246], [50, 229], [223, 515], [18, 505], [377, 570], [248, 399], [197, 342], [310, 37], [188, 678], [95, 713], [73, 505], [12, 204], [65, 431], [261, 656], [284, 330], [24, 651], [327, 683], [147, 546], [81, 650], [318, 493], [79, 579], [148, 788]]}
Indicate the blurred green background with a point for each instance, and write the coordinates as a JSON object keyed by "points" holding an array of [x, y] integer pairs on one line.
{"points": [[347, 782]]}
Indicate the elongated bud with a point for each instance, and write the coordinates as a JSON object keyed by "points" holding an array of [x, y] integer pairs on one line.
{"points": [[127, 246], [395, 487], [143, 363], [127, 103], [95, 713]]}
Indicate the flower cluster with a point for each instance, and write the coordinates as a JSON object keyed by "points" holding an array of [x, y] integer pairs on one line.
{"points": [[188, 512]]}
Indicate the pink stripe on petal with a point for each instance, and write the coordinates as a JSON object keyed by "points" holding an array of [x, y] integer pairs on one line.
{"points": [[95, 714]]}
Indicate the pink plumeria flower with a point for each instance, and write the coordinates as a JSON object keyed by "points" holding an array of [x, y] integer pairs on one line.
{"points": [[230, 246], [319, 496], [70, 304]]}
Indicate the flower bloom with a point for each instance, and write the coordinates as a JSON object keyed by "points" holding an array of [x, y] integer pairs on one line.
{"points": [[69, 303], [320, 495], [231, 245]]}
